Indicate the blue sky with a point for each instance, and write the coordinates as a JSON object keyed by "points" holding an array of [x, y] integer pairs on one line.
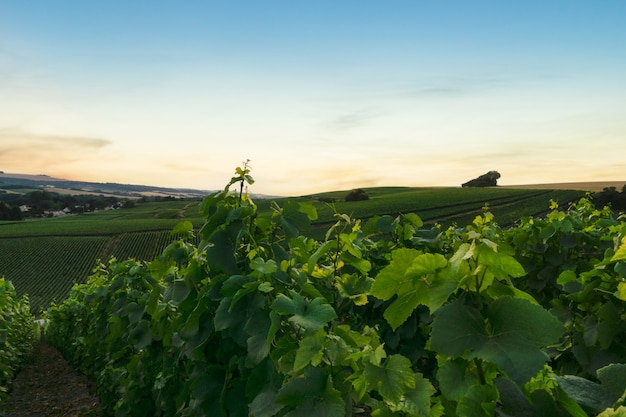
{"points": [[318, 95]]}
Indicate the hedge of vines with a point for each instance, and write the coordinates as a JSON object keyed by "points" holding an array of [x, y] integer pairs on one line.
{"points": [[383, 318], [18, 334]]}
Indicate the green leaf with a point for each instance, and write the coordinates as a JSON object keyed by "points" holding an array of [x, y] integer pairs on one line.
{"points": [[416, 401], [264, 267], [310, 350], [442, 286], [293, 220], [590, 395], [425, 264], [515, 356], [480, 401], [391, 379], [309, 209], [414, 219], [258, 327], [141, 335], [621, 291], [513, 399], [392, 278], [566, 277], [385, 223], [355, 287], [504, 264], [312, 395], [311, 315], [319, 252], [620, 254], [613, 378], [402, 308], [547, 232], [265, 405], [569, 404], [226, 318], [532, 322], [183, 227], [416, 279], [614, 412], [176, 292], [457, 328], [517, 331], [135, 312], [454, 379], [220, 253]]}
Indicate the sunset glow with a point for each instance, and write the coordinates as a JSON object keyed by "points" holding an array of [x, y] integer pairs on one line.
{"points": [[318, 95]]}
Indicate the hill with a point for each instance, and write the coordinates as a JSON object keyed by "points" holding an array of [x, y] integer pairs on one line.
{"points": [[62, 186], [44, 258], [591, 186]]}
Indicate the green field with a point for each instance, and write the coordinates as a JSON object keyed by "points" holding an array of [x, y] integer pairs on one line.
{"points": [[44, 258]]}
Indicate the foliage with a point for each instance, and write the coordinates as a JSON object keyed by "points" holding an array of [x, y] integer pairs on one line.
{"points": [[490, 179], [609, 196], [45, 258], [18, 334], [386, 317], [357, 195], [8, 212]]}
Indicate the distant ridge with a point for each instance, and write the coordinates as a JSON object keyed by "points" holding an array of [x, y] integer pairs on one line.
{"points": [[591, 186], [64, 186]]}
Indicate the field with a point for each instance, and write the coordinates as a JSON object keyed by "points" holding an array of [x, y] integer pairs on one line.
{"points": [[44, 258]]}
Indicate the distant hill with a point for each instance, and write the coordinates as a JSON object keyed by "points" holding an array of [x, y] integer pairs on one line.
{"points": [[63, 186], [591, 186]]}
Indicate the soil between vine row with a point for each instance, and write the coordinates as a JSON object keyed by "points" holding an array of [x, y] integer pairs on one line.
{"points": [[48, 387]]}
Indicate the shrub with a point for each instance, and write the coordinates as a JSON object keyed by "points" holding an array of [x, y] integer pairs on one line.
{"points": [[357, 195]]}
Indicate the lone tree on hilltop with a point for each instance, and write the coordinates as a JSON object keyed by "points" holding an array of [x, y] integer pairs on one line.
{"points": [[357, 195], [489, 179]]}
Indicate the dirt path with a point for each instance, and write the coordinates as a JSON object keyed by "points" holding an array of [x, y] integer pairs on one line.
{"points": [[48, 387]]}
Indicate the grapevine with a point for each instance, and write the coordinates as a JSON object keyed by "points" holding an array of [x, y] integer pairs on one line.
{"points": [[249, 317]]}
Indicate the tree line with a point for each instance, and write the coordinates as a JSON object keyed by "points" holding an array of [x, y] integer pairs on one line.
{"points": [[39, 203]]}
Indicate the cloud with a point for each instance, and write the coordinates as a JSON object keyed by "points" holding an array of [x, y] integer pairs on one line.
{"points": [[350, 121], [22, 150], [12, 137]]}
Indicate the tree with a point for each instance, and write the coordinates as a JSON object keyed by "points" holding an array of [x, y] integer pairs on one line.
{"points": [[357, 195], [490, 179], [609, 196]]}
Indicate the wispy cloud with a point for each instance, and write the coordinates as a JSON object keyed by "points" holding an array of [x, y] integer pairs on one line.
{"points": [[349, 121], [20, 148]]}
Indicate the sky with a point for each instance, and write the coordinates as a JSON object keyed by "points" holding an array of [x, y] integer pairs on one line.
{"points": [[318, 95]]}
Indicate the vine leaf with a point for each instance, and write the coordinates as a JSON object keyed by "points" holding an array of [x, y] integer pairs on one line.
{"points": [[311, 315], [294, 220], [593, 396], [480, 401], [501, 264], [310, 350], [416, 279], [312, 395], [391, 379], [416, 401], [259, 327], [510, 335], [176, 292], [220, 253], [454, 379], [621, 291], [264, 405], [620, 254]]}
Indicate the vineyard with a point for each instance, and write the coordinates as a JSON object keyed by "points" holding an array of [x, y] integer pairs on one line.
{"points": [[386, 317], [45, 258], [18, 334]]}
